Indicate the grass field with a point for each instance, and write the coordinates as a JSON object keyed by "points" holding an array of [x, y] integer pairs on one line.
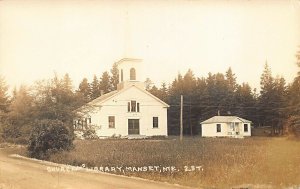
{"points": [[224, 162]]}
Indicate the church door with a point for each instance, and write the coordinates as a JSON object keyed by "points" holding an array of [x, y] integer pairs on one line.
{"points": [[133, 126]]}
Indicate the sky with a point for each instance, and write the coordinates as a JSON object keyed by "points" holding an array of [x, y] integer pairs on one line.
{"points": [[83, 38]]}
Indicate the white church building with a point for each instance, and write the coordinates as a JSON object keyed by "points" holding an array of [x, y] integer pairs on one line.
{"points": [[128, 111]]}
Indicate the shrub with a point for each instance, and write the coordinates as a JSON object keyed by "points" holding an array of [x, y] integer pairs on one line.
{"points": [[14, 134], [10, 131], [89, 134], [48, 137], [115, 136]]}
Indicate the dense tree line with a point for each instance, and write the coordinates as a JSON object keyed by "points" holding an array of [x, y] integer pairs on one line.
{"points": [[54, 99], [217, 94], [277, 104], [106, 83]]}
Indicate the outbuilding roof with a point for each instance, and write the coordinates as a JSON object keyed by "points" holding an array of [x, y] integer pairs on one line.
{"points": [[225, 119]]}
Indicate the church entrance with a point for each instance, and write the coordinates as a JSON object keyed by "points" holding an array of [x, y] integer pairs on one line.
{"points": [[133, 126]]}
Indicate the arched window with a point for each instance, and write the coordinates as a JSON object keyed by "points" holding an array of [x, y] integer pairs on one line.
{"points": [[121, 75], [132, 74]]}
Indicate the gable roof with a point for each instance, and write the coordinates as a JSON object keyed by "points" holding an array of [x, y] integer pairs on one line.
{"points": [[135, 60], [110, 95], [91, 105], [224, 119], [103, 97]]}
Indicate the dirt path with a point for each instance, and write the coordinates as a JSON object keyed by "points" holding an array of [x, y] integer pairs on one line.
{"points": [[18, 173]]}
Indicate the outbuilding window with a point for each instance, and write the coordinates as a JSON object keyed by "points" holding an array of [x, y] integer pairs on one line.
{"points": [[245, 127], [218, 128]]}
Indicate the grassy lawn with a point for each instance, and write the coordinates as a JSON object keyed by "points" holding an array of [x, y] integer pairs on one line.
{"points": [[225, 162]]}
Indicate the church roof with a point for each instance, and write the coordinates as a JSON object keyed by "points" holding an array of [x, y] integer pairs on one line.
{"points": [[103, 97], [109, 95], [129, 60], [225, 119]]}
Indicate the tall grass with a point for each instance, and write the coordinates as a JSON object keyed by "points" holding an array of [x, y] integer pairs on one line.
{"points": [[226, 162]]}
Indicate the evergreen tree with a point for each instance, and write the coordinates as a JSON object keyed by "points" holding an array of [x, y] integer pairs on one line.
{"points": [[20, 116], [231, 80], [231, 89], [272, 101], [280, 104], [185, 86], [155, 91], [114, 79], [20, 109], [3, 96], [164, 92], [176, 89], [148, 84], [293, 101], [67, 83], [105, 84], [95, 88], [246, 103], [45, 98], [217, 91], [266, 97], [298, 61], [202, 100], [84, 89], [190, 112], [293, 97], [177, 86], [161, 93], [14, 93], [55, 100]]}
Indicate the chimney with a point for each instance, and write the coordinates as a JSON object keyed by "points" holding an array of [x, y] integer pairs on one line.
{"points": [[218, 112], [101, 92]]}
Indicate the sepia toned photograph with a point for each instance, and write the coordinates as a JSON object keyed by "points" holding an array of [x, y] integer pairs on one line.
{"points": [[150, 94]]}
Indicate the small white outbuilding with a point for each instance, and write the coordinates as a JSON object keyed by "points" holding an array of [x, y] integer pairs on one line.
{"points": [[226, 126]]}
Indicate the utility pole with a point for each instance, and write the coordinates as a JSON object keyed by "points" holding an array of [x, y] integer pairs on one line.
{"points": [[181, 110], [190, 113]]}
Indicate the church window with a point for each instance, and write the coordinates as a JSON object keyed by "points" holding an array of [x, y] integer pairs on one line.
{"points": [[121, 75], [133, 106], [132, 74], [155, 122], [111, 121]]}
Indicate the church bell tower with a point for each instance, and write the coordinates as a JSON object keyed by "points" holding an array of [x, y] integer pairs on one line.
{"points": [[130, 69], [130, 73]]}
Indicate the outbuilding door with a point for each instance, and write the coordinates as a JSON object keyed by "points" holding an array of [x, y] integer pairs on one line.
{"points": [[133, 126], [237, 128]]}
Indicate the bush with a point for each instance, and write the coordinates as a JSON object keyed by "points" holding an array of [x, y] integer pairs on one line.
{"points": [[89, 134], [10, 131], [14, 134], [48, 137]]}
